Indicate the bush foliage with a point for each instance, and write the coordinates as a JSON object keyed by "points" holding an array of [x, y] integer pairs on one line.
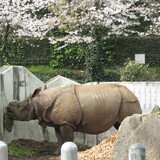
{"points": [[135, 71], [72, 55]]}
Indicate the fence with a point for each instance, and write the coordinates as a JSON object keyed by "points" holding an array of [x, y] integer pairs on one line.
{"points": [[16, 82], [69, 151]]}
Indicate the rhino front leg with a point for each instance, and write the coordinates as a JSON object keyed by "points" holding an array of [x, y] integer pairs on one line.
{"points": [[60, 141], [64, 134]]}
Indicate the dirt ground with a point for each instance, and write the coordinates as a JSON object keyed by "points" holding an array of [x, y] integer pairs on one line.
{"points": [[44, 150]]}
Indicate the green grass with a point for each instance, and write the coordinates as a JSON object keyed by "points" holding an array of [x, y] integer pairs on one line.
{"points": [[47, 68], [40, 68], [155, 69], [19, 150]]}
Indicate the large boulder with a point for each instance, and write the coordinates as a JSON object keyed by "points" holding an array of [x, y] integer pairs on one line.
{"points": [[142, 129]]}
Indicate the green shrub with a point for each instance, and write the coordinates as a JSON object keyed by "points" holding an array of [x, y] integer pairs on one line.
{"points": [[135, 71]]}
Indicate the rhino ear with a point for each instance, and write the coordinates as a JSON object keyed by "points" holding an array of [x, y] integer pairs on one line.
{"points": [[36, 91]]}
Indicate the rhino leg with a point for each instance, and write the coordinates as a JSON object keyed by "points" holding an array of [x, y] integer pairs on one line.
{"points": [[64, 133], [60, 141]]}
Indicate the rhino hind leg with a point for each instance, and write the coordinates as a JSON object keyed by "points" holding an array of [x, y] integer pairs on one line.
{"points": [[64, 134], [116, 125]]}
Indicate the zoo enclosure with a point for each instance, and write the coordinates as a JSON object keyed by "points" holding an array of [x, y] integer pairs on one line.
{"points": [[16, 82]]}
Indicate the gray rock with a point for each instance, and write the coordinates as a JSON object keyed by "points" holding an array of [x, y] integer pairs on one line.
{"points": [[142, 129]]}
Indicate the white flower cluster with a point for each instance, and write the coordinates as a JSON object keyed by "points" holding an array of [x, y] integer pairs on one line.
{"points": [[20, 16], [117, 16]]}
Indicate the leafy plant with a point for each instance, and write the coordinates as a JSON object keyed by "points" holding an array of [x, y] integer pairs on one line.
{"points": [[7, 122], [71, 55], [135, 71]]}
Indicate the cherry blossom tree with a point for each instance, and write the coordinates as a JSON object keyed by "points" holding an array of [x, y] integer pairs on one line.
{"points": [[119, 17], [88, 21], [21, 19], [114, 18]]}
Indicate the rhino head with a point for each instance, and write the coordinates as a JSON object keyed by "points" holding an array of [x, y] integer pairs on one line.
{"points": [[23, 110]]}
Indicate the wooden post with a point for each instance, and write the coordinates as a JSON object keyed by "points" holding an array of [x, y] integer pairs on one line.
{"points": [[3, 151], [137, 152], [69, 151]]}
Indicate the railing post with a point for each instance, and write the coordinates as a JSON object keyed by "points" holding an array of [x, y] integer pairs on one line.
{"points": [[137, 152], [69, 151], [3, 151]]}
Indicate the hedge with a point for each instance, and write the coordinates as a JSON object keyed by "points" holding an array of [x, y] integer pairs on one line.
{"points": [[115, 52], [28, 51], [127, 47]]}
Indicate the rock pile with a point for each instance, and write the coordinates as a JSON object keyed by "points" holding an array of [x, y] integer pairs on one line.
{"points": [[142, 129]]}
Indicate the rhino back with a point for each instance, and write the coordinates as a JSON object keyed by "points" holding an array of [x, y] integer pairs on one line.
{"points": [[100, 106]]}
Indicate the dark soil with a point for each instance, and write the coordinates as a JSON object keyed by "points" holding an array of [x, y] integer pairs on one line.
{"points": [[44, 150]]}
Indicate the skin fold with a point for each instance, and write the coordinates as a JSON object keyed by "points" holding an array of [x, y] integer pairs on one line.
{"points": [[89, 109]]}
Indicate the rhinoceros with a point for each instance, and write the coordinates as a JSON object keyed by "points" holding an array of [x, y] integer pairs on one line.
{"points": [[89, 109]]}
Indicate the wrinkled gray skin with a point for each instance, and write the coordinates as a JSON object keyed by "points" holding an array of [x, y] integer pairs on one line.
{"points": [[89, 109]]}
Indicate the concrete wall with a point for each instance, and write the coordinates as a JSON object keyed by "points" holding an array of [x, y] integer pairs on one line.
{"points": [[15, 84], [58, 81]]}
